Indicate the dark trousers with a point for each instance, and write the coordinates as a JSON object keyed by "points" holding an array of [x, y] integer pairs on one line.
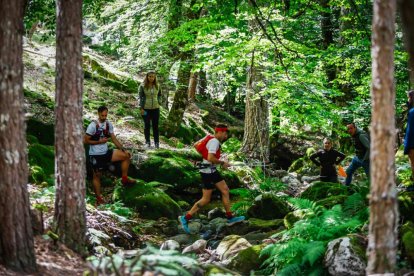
{"points": [[153, 115]]}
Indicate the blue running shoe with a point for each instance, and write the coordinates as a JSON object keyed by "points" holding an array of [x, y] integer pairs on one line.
{"points": [[184, 224], [234, 220]]}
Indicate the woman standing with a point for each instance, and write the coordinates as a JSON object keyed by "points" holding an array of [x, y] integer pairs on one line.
{"points": [[327, 159], [149, 102]]}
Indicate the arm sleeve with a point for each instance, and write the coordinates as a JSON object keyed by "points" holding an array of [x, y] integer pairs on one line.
{"points": [[141, 95], [314, 157], [159, 96], [365, 141], [340, 157]]}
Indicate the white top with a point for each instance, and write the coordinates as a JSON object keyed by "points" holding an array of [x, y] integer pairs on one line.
{"points": [[99, 149], [212, 147]]}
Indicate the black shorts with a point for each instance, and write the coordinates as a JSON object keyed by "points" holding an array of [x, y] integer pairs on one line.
{"points": [[101, 162], [209, 180]]}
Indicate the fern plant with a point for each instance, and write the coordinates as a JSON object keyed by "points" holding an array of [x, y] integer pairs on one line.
{"points": [[300, 250]]}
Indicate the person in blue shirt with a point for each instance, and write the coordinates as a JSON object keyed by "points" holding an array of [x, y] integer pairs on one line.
{"points": [[409, 132]]}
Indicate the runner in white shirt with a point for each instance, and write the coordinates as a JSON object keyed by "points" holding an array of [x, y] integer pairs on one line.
{"points": [[211, 178]]}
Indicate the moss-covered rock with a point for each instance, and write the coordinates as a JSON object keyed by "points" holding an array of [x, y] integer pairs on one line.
{"points": [[292, 217], [149, 201], [42, 156], [45, 133], [332, 201], [323, 190], [405, 204], [407, 238], [268, 206], [231, 178], [261, 225], [175, 170], [247, 260]]}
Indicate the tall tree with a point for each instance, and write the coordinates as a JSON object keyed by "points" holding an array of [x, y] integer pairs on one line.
{"points": [[70, 157], [256, 122], [186, 60], [16, 235], [382, 243]]}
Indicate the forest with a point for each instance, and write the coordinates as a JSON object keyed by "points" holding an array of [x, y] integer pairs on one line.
{"points": [[206, 137]]}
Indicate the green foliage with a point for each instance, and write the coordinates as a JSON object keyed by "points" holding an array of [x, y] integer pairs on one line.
{"points": [[231, 145], [43, 157], [119, 208], [149, 259], [300, 249], [247, 196]]}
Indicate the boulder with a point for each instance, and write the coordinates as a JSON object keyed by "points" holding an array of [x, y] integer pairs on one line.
{"points": [[149, 201], [170, 245], [268, 206], [346, 256], [247, 260], [230, 246], [407, 233], [197, 247]]}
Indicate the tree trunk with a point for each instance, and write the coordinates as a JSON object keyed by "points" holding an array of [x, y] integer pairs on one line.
{"points": [[16, 234], [327, 37], [256, 123], [175, 117], [70, 155], [202, 80], [382, 243], [407, 10], [192, 87]]}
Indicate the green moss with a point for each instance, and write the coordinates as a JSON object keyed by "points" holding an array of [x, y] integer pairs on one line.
{"points": [[37, 175], [42, 156], [268, 207], [405, 205], [32, 139], [247, 260], [332, 201], [292, 217], [166, 167], [358, 246], [150, 202], [408, 242], [39, 98], [45, 133], [323, 190], [262, 225]]}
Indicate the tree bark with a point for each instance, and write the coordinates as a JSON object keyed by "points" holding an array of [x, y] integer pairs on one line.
{"points": [[70, 214], [327, 37], [192, 87], [382, 243], [406, 8], [16, 234], [256, 123]]}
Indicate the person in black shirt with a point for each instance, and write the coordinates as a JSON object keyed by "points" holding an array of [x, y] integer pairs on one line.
{"points": [[327, 158]]}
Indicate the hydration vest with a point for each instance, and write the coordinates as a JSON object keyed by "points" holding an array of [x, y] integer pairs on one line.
{"points": [[101, 132], [201, 147]]}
